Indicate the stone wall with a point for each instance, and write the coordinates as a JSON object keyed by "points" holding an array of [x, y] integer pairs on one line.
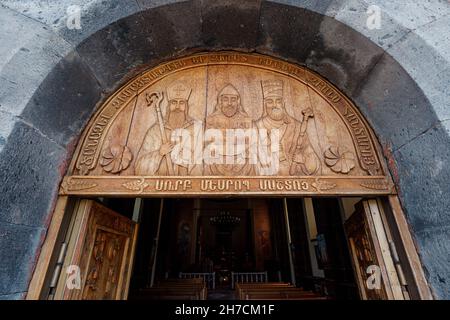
{"points": [[52, 79]]}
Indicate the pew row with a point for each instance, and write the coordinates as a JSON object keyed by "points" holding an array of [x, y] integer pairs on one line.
{"points": [[175, 289], [274, 291]]}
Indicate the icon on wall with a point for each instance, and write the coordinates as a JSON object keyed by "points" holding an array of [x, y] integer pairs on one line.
{"points": [[321, 251]]}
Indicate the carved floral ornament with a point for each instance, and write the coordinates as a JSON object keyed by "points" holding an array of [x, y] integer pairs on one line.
{"points": [[253, 123]]}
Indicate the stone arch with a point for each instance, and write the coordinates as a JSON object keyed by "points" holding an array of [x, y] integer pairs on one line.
{"points": [[54, 80]]}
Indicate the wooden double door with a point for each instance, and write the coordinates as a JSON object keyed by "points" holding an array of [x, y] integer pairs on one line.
{"points": [[100, 246]]}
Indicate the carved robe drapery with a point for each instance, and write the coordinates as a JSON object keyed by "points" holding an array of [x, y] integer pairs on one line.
{"points": [[296, 154], [150, 161], [242, 164]]}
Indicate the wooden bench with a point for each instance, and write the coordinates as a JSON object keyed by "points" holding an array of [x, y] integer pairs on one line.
{"points": [[274, 291], [281, 297], [243, 292], [175, 289], [241, 287], [175, 293]]}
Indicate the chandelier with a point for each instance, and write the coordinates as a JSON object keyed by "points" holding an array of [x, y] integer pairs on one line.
{"points": [[224, 219]]}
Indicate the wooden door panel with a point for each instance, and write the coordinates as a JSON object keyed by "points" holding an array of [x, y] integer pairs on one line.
{"points": [[368, 246], [363, 254], [102, 245]]}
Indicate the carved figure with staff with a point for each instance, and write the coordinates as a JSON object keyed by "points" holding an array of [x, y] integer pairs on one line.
{"points": [[296, 155], [156, 155]]}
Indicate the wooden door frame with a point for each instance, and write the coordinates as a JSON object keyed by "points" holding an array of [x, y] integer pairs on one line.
{"points": [[63, 211]]}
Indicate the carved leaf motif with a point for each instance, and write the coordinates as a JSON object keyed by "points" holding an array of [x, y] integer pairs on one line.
{"points": [[375, 185], [79, 185], [323, 185], [338, 160], [138, 185], [116, 158]]}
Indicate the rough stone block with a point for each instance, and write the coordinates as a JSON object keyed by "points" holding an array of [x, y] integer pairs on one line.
{"points": [[342, 55], [287, 31], [394, 105], [230, 23], [423, 175], [414, 13], [62, 105], [18, 246], [354, 13], [434, 36], [141, 40], [30, 172], [95, 14], [319, 6], [427, 67], [434, 247], [29, 51], [7, 122], [148, 4]]}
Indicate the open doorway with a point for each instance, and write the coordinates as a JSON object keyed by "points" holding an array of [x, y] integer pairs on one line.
{"points": [[200, 130], [240, 239], [150, 248]]}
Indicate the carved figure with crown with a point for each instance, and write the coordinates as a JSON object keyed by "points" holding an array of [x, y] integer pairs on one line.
{"points": [[229, 114], [295, 152]]}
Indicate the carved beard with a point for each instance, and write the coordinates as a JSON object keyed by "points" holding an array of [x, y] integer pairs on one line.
{"points": [[176, 118], [276, 114], [229, 110]]}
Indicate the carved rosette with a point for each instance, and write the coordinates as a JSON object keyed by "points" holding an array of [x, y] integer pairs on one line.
{"points": [[339, 160], [116, 158]]}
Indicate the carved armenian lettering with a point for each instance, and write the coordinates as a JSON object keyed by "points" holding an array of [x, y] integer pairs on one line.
{"points": [[325, 89], [228, 123], [88, 153], [363, 142]]}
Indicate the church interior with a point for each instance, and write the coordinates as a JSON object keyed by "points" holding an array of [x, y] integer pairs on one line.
{"points": [[211, 248]]}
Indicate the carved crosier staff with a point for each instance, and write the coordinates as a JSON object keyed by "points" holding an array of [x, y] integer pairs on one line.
{"points": [[154, 99], [308, 113]]}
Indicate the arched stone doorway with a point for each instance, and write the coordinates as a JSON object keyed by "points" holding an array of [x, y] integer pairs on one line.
{"points": [[224, 124]]}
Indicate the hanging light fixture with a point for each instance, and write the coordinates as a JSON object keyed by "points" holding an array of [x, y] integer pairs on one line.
{"points": [[224, 219]]}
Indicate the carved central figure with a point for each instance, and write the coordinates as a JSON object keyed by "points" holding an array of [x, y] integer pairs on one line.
{"points": [[229, 114], [260, 152]]}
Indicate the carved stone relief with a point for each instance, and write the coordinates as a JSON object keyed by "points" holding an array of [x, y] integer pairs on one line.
{"points": [[226, 115]]}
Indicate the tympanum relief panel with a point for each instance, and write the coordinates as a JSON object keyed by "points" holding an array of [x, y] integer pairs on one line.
{"points": [[227, 123]]}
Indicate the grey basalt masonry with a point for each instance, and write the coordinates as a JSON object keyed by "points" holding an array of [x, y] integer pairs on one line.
{"points": [[52, 79]]}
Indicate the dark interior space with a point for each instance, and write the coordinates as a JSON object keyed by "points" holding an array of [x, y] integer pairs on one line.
{"points": [[241, 236]]}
